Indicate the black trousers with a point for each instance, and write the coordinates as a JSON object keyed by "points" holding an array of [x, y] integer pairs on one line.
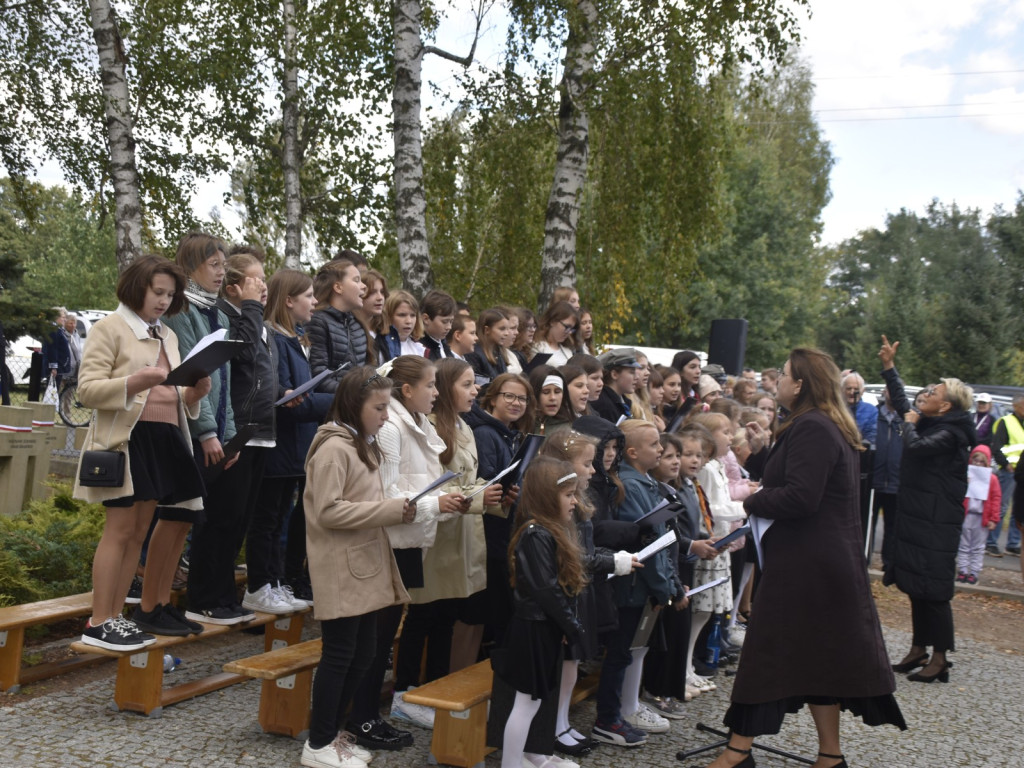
{"points": [[348, 646], [217, 538], [430, 625], [263, 549], [932, 624], [889, 505]]}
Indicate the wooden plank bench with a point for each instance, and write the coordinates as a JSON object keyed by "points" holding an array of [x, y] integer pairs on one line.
{"points": [[140, 674], [287, 675], [460, 719], [15, 619]]}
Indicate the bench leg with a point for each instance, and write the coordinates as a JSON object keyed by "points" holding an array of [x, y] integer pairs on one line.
{"points": [[284, 704], [140, 680], [12, 641], [460, 738], [282, 632]]}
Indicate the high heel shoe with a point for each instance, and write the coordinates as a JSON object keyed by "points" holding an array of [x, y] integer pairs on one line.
{"points": [[746, 762], [910, 666], [942, 675], [840, 758]]}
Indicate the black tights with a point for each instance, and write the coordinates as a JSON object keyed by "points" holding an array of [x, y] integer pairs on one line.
{"points": [[933, 624]]}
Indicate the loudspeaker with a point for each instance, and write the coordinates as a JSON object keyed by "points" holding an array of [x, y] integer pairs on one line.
{"points": [[728, 344]]}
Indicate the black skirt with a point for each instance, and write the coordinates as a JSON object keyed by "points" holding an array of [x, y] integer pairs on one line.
{"points": [[531, 657], [766, 718], [161, 465]]}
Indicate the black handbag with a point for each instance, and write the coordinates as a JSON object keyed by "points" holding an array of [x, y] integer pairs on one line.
{"points": [[102, 469]]}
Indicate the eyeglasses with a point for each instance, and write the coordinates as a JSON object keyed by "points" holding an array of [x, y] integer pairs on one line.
{"points": [[568, 326], [512, 398], [929, 391]]}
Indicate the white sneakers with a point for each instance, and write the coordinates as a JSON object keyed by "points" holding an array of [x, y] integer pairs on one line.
{"points": [[343, 752], [407, 712], [269, 599], [647, 720]]}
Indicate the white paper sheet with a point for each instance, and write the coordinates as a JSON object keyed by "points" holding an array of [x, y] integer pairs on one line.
{"points": [[219, 335], [759, 525], [978, 482], [654, 547]]}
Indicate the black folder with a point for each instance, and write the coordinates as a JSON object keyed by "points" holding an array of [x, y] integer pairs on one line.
{"points": [[205, 362]]}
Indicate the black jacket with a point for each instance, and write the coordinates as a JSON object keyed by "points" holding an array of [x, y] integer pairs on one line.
{"points": [[609, 405], [335, 338], [538, 595], [484, 367], [496, 444], [933, 483], [253, 370], [432, 345]]}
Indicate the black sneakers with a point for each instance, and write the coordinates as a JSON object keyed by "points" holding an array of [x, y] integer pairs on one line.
{"points": [[194, 626], [160, 621], [379, 734], [117, 634], [135, 592]]}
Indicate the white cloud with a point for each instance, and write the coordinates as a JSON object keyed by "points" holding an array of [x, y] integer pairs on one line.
{"points": [[1000, 110]]}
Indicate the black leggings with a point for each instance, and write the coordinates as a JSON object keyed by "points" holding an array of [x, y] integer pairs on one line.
{"points": [[348, 648], [933, 624], [366, 700]]}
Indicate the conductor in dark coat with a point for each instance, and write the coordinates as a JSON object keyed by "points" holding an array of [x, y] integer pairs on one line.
{"points": [[815, 638], [937, 442]]}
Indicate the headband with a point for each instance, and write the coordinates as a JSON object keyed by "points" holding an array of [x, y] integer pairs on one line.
{"points": [[570, 476], [552, 379]]}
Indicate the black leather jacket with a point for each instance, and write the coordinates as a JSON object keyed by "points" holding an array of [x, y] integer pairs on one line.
{"points": [[538, 595]]}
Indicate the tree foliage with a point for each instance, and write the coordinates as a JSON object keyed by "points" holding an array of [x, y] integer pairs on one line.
{"points": [[944, 284]]}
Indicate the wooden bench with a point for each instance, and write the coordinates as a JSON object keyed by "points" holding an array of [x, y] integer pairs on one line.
{"points": [[287, 675], [460, 719], [140, 674], [14, 619]]}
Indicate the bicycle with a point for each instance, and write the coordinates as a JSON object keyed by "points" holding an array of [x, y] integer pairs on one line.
{"points": [[71, 411]]}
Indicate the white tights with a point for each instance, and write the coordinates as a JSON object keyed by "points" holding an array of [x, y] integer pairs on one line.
{"points": [[700, 618], [631, 682], [517, 729]]}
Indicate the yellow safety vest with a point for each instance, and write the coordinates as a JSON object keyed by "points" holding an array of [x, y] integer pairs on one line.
{"points": [[1014, 438]]}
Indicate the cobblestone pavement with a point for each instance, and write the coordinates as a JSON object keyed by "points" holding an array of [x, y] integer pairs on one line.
{"points": [[974, 721]]}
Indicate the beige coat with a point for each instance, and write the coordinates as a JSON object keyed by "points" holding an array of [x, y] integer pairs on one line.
{"points": [[350, 561], [118, 346], [456, 566]]}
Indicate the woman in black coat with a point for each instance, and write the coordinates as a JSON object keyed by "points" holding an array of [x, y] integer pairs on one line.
{"points": [[937, 442], [814, 637]]}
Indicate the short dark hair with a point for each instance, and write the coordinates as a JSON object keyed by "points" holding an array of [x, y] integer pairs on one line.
{"points": [[437, 304], [357, 259], [138, 277], [196, 248]]}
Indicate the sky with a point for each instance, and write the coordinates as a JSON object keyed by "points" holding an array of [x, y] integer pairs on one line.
{"points": [[919, 99]]}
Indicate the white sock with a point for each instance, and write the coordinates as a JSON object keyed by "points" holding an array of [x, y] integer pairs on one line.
{"points": [[517, 729], [570, 671], [631, 682]]}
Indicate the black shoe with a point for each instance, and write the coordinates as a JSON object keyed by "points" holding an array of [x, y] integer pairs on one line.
{"points": [[378, 734], [942, 675], [116, 634], [993, 551], [576, 750], [840, 758], [910, 666], [134, 592], [746, 762], [159, 622], [302, 589], [194, 627], [221, 615], [1013, 551]]}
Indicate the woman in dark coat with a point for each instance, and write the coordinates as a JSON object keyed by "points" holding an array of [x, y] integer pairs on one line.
{"points": [[937, 441], [815, 638]]}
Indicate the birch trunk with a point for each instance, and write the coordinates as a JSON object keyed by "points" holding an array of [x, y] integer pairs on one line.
{"points": [[558, 261], [410, 202], [290, 160], [120, 139]]}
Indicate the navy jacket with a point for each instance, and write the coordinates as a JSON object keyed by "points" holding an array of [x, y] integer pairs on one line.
{"points": [[295, 426], [496, 444], [888, 451]]}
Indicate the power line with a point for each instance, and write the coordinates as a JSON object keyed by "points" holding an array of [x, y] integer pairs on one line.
{"points": [[924, 74], [920, 106]]}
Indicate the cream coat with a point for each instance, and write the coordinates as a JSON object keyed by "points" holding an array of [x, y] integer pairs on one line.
{"points": [[412, 461], [119, 345], [350, 561], [456, 566]]}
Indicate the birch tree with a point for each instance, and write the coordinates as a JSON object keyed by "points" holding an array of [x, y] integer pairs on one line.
{"points": [[120, 136], [410, 202]]}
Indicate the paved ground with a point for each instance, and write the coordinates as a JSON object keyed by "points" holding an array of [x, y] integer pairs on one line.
{"points": [[973, 721]]}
